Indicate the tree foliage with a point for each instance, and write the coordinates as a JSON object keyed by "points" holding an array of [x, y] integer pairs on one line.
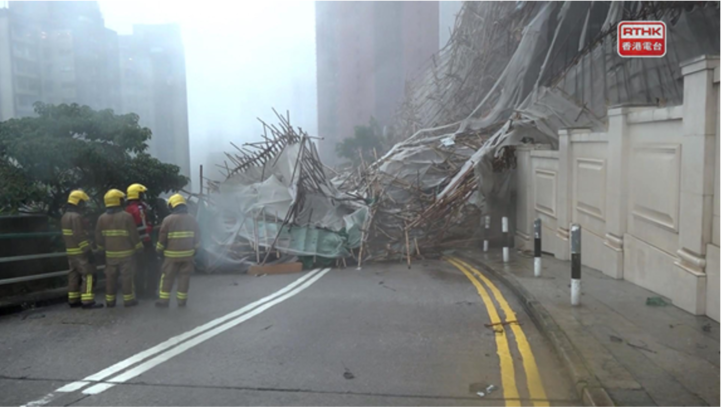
{"points": [[66, 147], [365, 140]]}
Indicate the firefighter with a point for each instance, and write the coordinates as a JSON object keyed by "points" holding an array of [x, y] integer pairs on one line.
{"points": [[146, 273], [178, 241], [80, 256], [117, 235]]}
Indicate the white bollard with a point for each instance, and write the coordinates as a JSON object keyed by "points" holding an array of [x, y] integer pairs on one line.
{"points": [[487, 225], [505, 231], [537, 247], [576, 242]]}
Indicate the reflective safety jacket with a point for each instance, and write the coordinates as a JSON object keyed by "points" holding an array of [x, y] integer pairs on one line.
{"points": [[74, 234], [179, 236], [139, 210], [117, 235]]}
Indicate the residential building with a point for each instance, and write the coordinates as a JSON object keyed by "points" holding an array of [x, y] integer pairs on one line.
{"points": [[61, 52], [365, 53], [56, 52], [153, 85]]}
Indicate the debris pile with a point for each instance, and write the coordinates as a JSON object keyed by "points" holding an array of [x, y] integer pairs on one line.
{"points": [[406, 219], [512, 73], [277, 203]]}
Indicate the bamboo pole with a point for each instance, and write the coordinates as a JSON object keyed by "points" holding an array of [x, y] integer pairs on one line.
{"points": [[408, 250], [255, 239]]}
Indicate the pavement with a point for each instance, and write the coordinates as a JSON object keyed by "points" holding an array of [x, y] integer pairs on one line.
{"points": [[614, 343], [439, 333]]}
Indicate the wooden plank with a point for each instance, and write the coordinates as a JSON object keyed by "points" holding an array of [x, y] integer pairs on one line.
{"points": [[283, 268]]}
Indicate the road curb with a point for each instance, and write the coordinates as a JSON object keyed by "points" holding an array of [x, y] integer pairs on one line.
{"points": [[19, 303], [586, 384], [36, 299]]}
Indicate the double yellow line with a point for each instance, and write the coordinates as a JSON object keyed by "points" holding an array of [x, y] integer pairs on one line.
{"points": [[506, 362]]}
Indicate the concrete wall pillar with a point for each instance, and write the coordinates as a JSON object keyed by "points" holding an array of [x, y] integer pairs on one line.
{"points": [[698, 153], [697, 189], [564, 193], [618, 149], [524, 198]]}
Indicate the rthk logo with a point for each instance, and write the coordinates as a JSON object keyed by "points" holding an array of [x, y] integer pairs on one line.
{"points": [[645, 39]]}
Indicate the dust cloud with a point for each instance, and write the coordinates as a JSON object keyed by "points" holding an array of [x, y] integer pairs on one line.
{"points": [[242, 59]]}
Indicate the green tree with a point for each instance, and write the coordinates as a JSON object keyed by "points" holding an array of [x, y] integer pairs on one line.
{"points": [[66, 147], [365, 140]]}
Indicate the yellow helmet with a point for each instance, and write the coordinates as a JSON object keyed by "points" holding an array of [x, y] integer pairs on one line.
{"points": [[114, 197], [135, 190], [76, 196], [176, 200]]}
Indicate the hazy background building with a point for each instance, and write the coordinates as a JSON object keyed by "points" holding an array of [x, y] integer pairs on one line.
{"points": [[447, 17], [365, 53], [61, 52], [56, 52], [153, 85]]}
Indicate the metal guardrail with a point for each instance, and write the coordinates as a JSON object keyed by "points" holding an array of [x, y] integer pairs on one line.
{"points": [[33, 277], [32, 257], [29, 235]]}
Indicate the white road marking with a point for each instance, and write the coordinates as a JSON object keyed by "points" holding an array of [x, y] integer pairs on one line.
{"points": [[45, 400], [174, 341], [144, 367]]}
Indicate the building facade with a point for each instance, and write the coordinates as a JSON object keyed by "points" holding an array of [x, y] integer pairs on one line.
{"points": [[365, 54], [153, 85], [61, 52], [56, 52], [448, 10]]}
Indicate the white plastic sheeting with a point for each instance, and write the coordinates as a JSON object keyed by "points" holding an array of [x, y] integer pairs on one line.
{"points": [[563, 75], [251, 206]]}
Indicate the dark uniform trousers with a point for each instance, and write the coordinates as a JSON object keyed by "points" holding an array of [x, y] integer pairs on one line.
{"points": [[172, 269], [80, 279], [146, 272], [114, 268], [77, 247]]}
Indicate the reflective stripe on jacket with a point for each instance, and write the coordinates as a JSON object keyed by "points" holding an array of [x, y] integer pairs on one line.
{"points": [[116, 233], [179, 236], [74, 234]]}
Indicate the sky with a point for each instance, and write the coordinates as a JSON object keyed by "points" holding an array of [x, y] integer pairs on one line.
{"points": [[242, 59]]}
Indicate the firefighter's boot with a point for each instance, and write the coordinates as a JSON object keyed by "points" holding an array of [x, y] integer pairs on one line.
{"points": [[92, 305]]}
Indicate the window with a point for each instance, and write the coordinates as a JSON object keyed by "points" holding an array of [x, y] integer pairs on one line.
{"points": [[25, 67], [26, 101]]}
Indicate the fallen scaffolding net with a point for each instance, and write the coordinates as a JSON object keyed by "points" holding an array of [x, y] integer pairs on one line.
{"points": [[512, 74], [275, 204]]}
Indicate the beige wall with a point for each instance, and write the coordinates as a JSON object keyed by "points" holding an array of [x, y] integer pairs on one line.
{"points": [[646, 194]]}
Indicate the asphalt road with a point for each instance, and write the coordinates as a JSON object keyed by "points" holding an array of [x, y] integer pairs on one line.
{"points": [[384, 335]]}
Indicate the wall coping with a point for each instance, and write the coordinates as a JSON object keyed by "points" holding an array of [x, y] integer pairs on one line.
{"points": [[621, 110], [656, 115], [590, 138], [534, 147], [699, 63], [574, 130], [545, 154]]}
